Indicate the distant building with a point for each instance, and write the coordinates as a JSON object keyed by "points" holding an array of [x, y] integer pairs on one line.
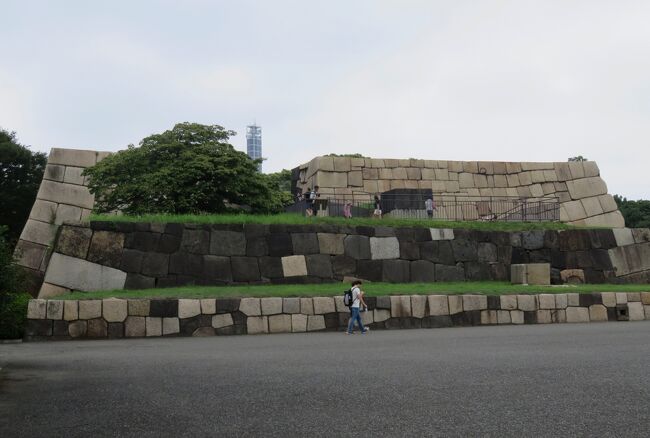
{"points": [[254, 142]]}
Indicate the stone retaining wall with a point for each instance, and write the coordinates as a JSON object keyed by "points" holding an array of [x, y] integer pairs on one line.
{"points": [[114, 255], [119, 318], [581, 191]]}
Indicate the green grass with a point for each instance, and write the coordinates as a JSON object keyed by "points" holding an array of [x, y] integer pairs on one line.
{"points": [[297, 219], [372, 289]]}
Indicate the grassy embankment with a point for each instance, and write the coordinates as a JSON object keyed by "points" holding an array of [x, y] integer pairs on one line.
{"points": [[372, 289]]}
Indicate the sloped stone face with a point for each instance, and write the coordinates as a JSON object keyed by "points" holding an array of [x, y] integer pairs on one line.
{"points": [[79, 274]]}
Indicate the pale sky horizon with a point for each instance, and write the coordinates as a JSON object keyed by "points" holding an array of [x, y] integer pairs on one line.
{"points": [[448, 80]]}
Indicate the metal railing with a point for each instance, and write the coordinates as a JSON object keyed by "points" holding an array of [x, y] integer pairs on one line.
{"points": [[447, 207]]}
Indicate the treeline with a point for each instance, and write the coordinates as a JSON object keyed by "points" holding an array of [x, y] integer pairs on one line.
{"points": [[636, 213]]}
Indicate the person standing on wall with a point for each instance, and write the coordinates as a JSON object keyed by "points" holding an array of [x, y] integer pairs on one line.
{"points": [[430, 206], [377, 212], [357, 302]]}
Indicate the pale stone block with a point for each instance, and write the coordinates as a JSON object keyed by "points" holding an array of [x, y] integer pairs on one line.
{"points": [[574, 211], [546, 301], [558, 316], [332, 179], [250, 306], [518, 273], [257, 324], [623, 236], [455, 304], [613, 219], [338, 301], [298, 323], [67, 213], [474, 302], [577, 314], [525, 178], [315, 322], [544, 317], [292, 305], [441, 233], [170, 326], [153, 326], [646, 309], [645, 297], [208, 306], [607, 203], [44, 211], [536, 190], [418, 306], [503, 317], [114, 310], [538, 273], [590, 168], [82, 275], [526, 302], [77, 329], [576, 169], [73, 175], [636, 311], [324, 305], [517, 316], [294, 266], [400, 173], [438, 305], [52, 290], [134, 327], [381, 315], [508, 302], [633, 297], [90, 309], [384, 248], [597, 312], [280, 323], [271, 306], [428, 174], [222, 320], [573, 299], [72, 157], [138, 307], [400, 306], [54, 172], [561, 301], [39, 232], [54, 309], [586, 187], [306, 306], [188, 308], [489, 317], [609, 299], [592, 206], [621, 298], [70, 310], [63, 193], [342, 164]]}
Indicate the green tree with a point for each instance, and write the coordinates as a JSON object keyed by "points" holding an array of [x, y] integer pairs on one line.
{"points": [[578, 158], [21, 172], [189, 169], [636, 213]]}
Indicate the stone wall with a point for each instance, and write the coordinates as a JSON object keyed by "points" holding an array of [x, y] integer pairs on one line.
{"points": [[119, 318], [62, 196], [120, 255], [581, 191]]}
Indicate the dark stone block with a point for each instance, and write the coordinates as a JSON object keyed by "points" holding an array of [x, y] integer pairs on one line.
{"points": [[187, 264], [530, 317], [409, 323], [422, 271], [155, 264], [169, 243], [38, 327], [602, 239], [533, 239], [103, 225], [163, 308], [169, 281], [467, 318], [465, 250], [600, 259], [384, 231], [504, 254], [371, 302], [142, 241], [245, 269], [586, 300], [331, 321], [494, 302], [225, 331], [392, 323], [216, 268], [519, 255], [369, 270], [383, 303], [228, 305], [487, 252], [574, 240], [257, 247], [302, 228], [343, 266], [187, 326], [540, 256], [238, 317], [558, 259], [409, 250], [174, 229], [319, 265], [60, 329], [74, 241], [131, 261], [271, 267], [396, 271], [476, 271], [115, 330], [551, 239], [622, 312], [405, 234], [357, 247], [138, 281], [279, 244], [225, 227], [365, 231], [437, 251], [594, 276], [436, 321], [227, 243], [106, 248], [305, 243], [611, 314], [187, 280], [500, 238], [450, 273], [195, 242], [252, 231], [499, 272], [344, 319], [142, 226], [421, 234], [97, 328]]}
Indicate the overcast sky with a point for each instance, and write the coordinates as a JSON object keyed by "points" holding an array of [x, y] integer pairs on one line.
{"points": [[452, 80]]}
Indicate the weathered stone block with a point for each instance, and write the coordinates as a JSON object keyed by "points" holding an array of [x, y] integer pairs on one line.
{"points": [[135, 326], [106, 248], [280, 323], [538, 273], [438, 305], [170, 326], [324, 305], [97, 328], [30, 255], [597, 312], [70, 310], [74, 241], [294, 266], [79, 274], [516, 316], [298, 323], [157, 264], [503, 317], [222, 320], [201, 242], [577, 314], [330, 243], [572, 276], [518, 273], [208, 306], [307, 306], [422, 271], [305, 243], [245, 269], [90, 309], [455, 304], [381, 315], [138, 307], [37, 309], [382, 248], [546, 301], [63, 193], [55, 309], [188, 308], [257, 324], [526, 302], [645, 297], [250, 306], [636, 311], [114, 310], [357, 247], [450, 273], [474, 302], [400, 306], [489, 317], [623, 236], [77, 329], [586, 187], [315, 323], [291, 305], [465, 250], [319, 265], [271, 306], [633, 297], [396, 271], [508, 302], [418, 306]]}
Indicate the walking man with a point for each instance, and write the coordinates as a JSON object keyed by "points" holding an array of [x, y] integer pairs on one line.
{"points": [[357, 302]]}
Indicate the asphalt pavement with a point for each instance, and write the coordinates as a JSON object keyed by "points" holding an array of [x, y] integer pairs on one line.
{"points": [[541, 380]]}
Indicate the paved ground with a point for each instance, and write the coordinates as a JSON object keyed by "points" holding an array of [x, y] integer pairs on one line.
{"points": [[570, 379]]}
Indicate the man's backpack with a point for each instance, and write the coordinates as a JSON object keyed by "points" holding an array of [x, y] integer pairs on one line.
{"points": [[347, 297]]}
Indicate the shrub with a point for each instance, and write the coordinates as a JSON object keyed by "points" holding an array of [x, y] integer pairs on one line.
{"points": [[13, 312]]}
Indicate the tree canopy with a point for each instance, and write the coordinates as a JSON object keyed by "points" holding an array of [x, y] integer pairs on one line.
{"points": [[189, 169], [21, 172], [636, 213], [578, 158]]}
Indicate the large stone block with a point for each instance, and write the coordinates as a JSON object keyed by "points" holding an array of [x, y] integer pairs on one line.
{"points": [[291, 305], [503, 317], [114, 310], [106, 248], [474, 302], [39, 232], [250, 306], [78, 274], [293, 266], [538, 273], [319, 265], [63, 193], [257, 325], [227, 243], [636, 311], [280, 324], [44, 211], [90, 309], [30, 255], [508, 302], [298, 323], [382, 248], [418, 306], [422, 271], [77, 329], [170, 326], [138, 307], [200, 242], [357, 247], [70, 310], [598, 312], [526, 303], [546, 301], [577, 314], [324, 305], [315, 323], [395, 271], [332, 179], [72, 157], [400, 306], [305, 243], [518, 273], [37, 309], [586, 187], [245, 269], [135, 327], [271, 306], [450, 273], [222, 320], [153, 326], [331, 243], [188, 308], [438, 305], [307, 306], [623, 236], [217, 268], [55, 309]]}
